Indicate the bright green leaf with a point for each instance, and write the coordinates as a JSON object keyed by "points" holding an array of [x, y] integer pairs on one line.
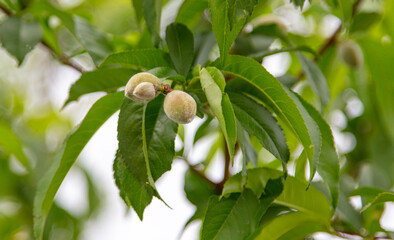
{"points": [[11, 144], [380, 198], [67, 155], [190, 11], [213, 84]]}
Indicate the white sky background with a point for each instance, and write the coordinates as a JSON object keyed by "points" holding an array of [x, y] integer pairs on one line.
{"points": [[114, 222]]}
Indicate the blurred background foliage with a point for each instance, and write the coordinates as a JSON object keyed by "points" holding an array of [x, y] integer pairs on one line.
{"points": [[360, 112]]}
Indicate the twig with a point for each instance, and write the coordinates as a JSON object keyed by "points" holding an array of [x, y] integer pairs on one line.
{"points": [[62, 58], [226, 172]]}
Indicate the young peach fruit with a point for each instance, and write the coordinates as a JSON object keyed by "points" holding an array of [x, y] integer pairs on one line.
{"points": [[137, 79], [180, 107]]}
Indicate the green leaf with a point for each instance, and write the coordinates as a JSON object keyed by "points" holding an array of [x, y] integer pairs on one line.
{"points": [[282, 224], [254, 80], [101, 80], [213, 84], [146, 139], [260, 55], [180, 43], [298, 3], [249, 153], [256, 179], [315, 78], [152, 13], [310, 201], [133, 192], [67, 155], [95, 42], [364, 20], [325, 159], [366, 192], [239, 9], [11, 144], [259, 122], [235, 217], [219, 10], [380, 198], [190, 12], [138, 9], [19, 36], [197, 189], [143, 59]]}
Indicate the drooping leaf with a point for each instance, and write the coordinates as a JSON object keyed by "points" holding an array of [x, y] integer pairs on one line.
{"points": [[249, 153], [366, 192], [146, 139], [140, 59], [254, 80], [133, 192], [100, 80], [315, 78], [213, 84], [95, 42], [258, 121], [180, 43], [283, 224], [11, 144], [328, 164], [235, 217], [152, 13], [19, 36], [225, 36], [190, 11], [67, 155]]}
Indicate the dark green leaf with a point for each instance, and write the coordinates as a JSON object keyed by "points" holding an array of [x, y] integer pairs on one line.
{"points": [[213, 84], [101, 80], [67, 155], [249, 153], [181, 46], [138, 9], [19, 36], [198, 190], [11, 144], [258, 121], [152, 13], [219, 10], [235, 217], [132, 190], [315, 78], [140, 59], [95, 42], [298, 3], [203, 129], [254, 80], [146, 139]]}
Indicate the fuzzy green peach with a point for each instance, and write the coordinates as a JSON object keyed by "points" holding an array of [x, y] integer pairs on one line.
{"points": [[180, 107], [137, 79], [351, 54]]}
